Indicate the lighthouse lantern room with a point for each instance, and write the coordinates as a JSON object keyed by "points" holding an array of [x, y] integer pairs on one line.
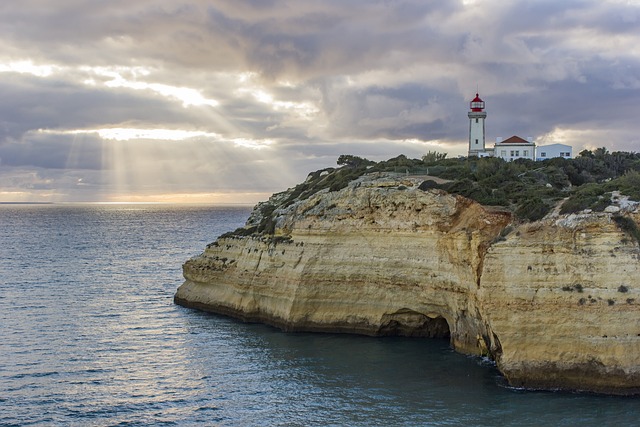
{"points": [[476, 128]]}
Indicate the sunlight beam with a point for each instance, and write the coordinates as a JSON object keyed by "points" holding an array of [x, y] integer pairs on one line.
{"points": [[188, 96]]}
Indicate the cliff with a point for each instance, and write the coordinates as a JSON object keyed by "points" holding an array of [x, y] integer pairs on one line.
{"points": [[554, 302]]}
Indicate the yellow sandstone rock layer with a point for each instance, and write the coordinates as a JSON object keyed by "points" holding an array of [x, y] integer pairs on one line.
{"points": [[563, 297], [555, 302]]}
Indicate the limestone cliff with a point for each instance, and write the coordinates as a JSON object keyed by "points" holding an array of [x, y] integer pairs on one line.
{"points": [[555, 303]]}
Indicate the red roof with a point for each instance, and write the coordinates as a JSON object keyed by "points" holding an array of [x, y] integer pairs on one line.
{"points": [[515, 140], [477, 99]]}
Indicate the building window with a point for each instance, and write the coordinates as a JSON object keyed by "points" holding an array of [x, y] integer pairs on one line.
{"points": [[512, 153], [517, 152], [543, 154], [503, 153], [525, 153], [476, 120], [476, 141]]}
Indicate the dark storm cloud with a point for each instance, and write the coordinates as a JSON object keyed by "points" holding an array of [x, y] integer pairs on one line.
{"points": [[335, 38]]}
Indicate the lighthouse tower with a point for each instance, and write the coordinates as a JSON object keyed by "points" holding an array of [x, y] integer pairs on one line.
{"points": [[476, 128]]}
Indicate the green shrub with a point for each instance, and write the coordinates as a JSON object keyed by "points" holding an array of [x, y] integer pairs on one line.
{"points": [[457, 172], [267, 224], [488, 168], [587, 196], [464, 187], [628, 184], [433, 157], [354, 161], [628, 225], [238, 232], [343, 177], [532, 209]]}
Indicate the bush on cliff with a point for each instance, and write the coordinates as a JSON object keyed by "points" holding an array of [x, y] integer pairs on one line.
{"points": [[587, 196], [628, 226], [432, 157], [628, 184], [238, 232], [529, 189], [343, 177], [532, 209], [354, 161], [401, 164], [267, 224], [598, 196]]}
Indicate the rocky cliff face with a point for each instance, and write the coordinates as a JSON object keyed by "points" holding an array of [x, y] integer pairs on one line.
{"points": [[555, 303], [563, 297]]}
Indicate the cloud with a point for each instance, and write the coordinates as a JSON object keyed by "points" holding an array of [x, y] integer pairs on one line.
{"points": [[250, 96]]}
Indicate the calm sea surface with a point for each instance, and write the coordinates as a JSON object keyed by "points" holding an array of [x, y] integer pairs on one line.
{"points": [[89, 336]]}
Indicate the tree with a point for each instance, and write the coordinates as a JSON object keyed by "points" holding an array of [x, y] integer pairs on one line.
{"points": [[433, 156], [600, 153], [353, 161], [586, 153]]}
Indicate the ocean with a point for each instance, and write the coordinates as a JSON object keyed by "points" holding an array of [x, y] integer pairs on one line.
{"points": [[90, 336]]}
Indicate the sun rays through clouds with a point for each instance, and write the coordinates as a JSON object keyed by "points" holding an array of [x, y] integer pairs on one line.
{"points": [[190, 100]]}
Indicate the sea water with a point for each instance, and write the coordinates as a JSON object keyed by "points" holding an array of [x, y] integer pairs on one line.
{"points": [[90, 336]]}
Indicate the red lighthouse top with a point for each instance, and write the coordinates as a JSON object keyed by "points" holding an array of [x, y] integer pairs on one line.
{"points": [[477, 104]]}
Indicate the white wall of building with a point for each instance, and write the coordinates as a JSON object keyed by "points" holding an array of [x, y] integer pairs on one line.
{"points": [[510, 152], [554, 150]]}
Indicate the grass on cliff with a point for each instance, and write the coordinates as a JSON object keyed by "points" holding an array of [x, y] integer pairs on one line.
{"points": [[528, 188]]}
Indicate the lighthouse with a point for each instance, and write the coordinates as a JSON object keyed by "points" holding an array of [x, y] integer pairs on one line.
{"points": [[476, 128]]}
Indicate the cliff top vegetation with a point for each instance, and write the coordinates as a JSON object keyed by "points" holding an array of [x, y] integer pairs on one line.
{"points": [[528, 188], [532, 188]]}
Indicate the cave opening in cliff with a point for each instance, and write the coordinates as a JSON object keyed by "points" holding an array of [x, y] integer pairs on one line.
{"points": [[409, 323]]}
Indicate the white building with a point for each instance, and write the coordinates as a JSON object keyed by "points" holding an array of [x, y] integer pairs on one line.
{"points": [[515, 148], [510, 149], [554, 150]]}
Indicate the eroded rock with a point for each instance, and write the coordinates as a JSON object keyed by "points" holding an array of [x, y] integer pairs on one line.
{"points": [[384, 257]]}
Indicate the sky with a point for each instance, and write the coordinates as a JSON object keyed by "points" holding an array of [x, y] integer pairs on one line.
{"points": [[229, 101]]}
